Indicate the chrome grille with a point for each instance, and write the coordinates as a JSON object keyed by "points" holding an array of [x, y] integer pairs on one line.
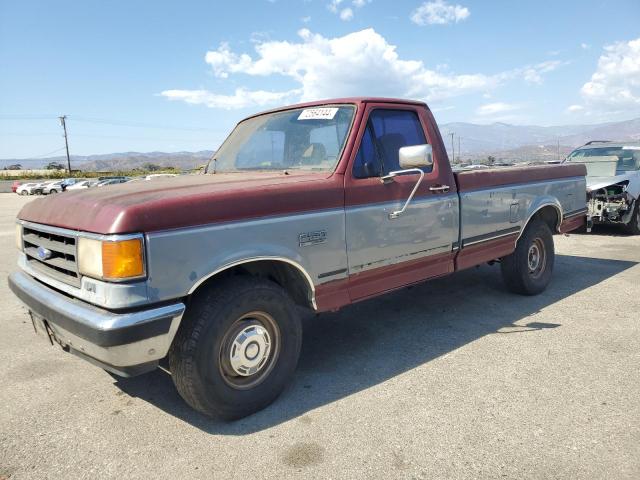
{"points": [[61, 264]]}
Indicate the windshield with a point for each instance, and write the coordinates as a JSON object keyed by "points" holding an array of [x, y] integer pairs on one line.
{"points": [[624, 158], [302, 139]]}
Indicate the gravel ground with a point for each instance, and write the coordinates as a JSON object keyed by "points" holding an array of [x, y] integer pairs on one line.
{"points": [[455, 378]]}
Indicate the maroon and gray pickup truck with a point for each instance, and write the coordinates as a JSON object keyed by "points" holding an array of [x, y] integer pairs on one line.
{"points": [[318, 205]]}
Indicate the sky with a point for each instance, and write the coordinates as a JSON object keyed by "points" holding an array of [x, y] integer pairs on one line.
{"points": [[177, 76]]}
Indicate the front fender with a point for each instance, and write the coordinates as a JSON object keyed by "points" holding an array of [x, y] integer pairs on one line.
{"points": [[180, 260]]}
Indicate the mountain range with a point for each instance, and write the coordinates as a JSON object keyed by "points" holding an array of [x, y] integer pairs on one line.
{"points": [[500, 140]]}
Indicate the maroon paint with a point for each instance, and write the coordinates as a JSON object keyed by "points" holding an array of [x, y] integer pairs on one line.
{"points": [[573, 223], [379, 280], [493, 177], [332, 295], [486, 251], [188, 201], [368, 284]]}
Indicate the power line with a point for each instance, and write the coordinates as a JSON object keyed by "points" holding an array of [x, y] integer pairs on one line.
{"points": [[106, 121], [123, 123], [28, 117], [46, 154]]}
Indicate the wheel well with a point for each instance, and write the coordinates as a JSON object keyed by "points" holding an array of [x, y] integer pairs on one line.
{"points": [[548, 214], [289, 277]]}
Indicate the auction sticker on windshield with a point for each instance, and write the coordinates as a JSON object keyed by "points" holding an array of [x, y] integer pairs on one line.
{"points": [[326, 113]]}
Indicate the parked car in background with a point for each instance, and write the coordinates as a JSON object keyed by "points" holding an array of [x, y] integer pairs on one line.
{"points": [[15, 185], [613, 182], [154, 176], [112, 181], [53, 187], [115, 177], [39, 188], [82, 184], [67, 182], [26, 188]]}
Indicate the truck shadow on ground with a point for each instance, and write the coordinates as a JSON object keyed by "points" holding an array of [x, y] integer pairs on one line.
{"points": [[368, 343]]}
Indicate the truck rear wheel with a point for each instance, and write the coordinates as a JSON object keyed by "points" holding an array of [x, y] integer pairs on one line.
{"points": [[633, 227], [237, 347], [528, 269]]}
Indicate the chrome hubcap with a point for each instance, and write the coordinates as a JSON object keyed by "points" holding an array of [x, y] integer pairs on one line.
{"points": [[536, 258], [250, 350]]}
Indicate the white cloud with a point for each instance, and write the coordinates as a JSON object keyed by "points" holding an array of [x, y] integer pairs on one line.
{"points": [[306, 19], [333, 5], [490, 109], [346, 14], [533, 73], [575, 108], [615, 85], [242, 98], [585, 46], [439, 12], [311, 64]]}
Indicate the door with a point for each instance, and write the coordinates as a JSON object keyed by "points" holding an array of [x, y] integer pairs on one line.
{"points": [[384, 252]]}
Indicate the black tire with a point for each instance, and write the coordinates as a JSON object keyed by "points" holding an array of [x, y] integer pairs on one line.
{"points": [[633, 227], [520, 270], [24, 192], [53, 191], [200, 359]]}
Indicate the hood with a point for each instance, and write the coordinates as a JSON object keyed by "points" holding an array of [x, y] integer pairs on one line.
{"points": [[167, 203], [595, 183]]}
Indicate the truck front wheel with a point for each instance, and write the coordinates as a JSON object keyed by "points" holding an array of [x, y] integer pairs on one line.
{"points": [[528, 269], [237, 347]]}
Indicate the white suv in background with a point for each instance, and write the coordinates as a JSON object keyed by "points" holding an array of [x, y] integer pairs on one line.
{"points": [[52, 187], [26, 188]]}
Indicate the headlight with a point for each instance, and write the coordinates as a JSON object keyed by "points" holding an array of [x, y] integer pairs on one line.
{"points": [[111, 259], [19, 236]]}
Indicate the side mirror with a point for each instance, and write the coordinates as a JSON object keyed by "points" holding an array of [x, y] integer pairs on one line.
{"points": [[416, 156]]}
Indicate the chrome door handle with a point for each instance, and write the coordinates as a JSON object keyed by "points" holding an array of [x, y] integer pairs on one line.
{"points": [[439, 188]]}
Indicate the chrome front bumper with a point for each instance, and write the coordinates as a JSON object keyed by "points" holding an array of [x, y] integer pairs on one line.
{"points": [[124, 343]]}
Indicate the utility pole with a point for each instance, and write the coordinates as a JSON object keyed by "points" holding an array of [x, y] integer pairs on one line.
{"points": [[63, 122], [459, 149], [453, 152]]}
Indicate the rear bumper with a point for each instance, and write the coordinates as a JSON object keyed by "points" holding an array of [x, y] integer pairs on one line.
{"points": [[125, 343]]}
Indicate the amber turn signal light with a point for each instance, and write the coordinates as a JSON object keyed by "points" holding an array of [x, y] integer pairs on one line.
{"points": [[122, 259]]}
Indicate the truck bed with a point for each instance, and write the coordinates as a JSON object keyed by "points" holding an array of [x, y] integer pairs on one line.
{"points": [[468, 180], [496, 204]]}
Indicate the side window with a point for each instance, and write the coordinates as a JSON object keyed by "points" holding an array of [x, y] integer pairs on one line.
{"points": [[367, 163], [394, 129], [387, 132]]}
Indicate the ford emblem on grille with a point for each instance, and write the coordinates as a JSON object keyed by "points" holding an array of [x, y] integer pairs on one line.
{"points": [[44, 253]]}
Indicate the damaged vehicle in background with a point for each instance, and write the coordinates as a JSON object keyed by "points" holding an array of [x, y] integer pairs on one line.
{"points": [[613, 182]]}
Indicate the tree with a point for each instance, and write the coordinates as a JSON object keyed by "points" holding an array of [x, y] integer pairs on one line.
{"points": [[54, 166], [150, 167], [491, 160]]}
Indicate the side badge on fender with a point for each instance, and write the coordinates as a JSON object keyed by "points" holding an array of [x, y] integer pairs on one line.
{"points": [[312, 238]]}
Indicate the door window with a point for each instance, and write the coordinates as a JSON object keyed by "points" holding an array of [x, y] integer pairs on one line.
{"points": [[387, 132]]}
